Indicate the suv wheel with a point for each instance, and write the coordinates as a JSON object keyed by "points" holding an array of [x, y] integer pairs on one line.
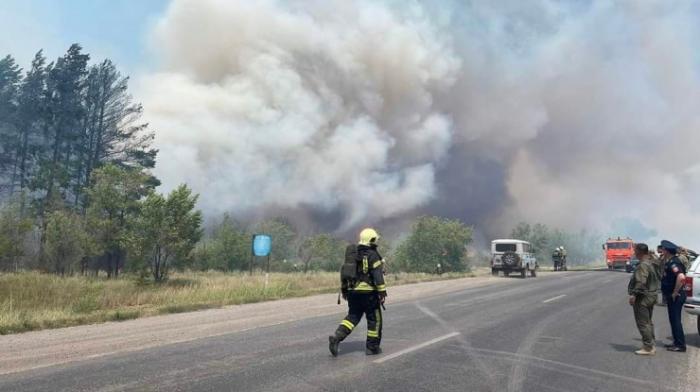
{"points": [[494, 272], [698, 318]]}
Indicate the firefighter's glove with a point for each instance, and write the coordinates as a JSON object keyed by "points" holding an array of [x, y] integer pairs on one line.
{"points": [[382, 297]]}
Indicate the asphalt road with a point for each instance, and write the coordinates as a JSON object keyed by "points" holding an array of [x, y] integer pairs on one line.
{"points": [[561, 332]]}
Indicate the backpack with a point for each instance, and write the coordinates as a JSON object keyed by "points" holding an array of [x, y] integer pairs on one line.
{"points": [[348, 271]]}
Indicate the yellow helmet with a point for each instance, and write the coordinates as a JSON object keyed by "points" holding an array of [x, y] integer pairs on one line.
{"points": [[367, 236]]}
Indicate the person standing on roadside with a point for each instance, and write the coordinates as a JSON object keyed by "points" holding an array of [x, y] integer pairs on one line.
{"points": [[672, 287], [642, 289]]}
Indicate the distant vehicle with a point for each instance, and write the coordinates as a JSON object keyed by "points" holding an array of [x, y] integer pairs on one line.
{"points": [[631, 265], [618, 252], [692, 289], [513, 256]]}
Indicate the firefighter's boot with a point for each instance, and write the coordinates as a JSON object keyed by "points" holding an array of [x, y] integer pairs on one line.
{"points": [[333, 343]]}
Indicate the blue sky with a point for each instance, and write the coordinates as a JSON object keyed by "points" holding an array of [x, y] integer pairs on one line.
{"points": [[117, 29]]}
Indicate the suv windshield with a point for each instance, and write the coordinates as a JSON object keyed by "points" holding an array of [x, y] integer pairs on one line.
{"points": [[506, 247], [619, 245]]}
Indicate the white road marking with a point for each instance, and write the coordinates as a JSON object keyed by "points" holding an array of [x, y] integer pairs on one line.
{"points": [[554, 299], [416, 348]]}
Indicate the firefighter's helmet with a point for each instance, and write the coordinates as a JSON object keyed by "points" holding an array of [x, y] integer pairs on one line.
{"points": [[368, 236]]}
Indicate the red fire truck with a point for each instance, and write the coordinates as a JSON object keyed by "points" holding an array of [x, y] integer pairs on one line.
{"points": [[619, 252]]}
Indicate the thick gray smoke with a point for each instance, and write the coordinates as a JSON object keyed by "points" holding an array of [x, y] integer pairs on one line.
{"points": [[576, 114]]}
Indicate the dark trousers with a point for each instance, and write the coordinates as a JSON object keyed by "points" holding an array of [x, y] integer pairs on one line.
{"points": [[363, 303], [675, 313]]}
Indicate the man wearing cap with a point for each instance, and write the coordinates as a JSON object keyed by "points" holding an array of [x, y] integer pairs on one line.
{"points": [[674, 293], [642, 290]]}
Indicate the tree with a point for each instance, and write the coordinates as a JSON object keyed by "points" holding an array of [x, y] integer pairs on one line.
{"points": [[434, 240], [169, 229], [325, 249], [31, 112], [581, 247], [65, 111], [111, 131], [538, 235], [10, 77], [14, 228], [521, 231], [67, 242], [113, 210], [229, 248]]}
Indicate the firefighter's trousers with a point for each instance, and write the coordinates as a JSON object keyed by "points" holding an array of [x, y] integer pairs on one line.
{"points": [[360, 303]]}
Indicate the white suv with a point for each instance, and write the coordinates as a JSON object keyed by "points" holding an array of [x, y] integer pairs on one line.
{"points": [[692, 287], [513, 256]]}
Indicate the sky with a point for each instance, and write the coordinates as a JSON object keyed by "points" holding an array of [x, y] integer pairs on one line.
{"points": [[115, 29], [487, 111]]}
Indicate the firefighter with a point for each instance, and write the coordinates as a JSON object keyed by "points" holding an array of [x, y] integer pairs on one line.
{"points": [[365, 296], [556, 257]]}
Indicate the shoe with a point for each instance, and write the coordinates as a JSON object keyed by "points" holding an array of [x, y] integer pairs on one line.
{"points": [[676, 349], [333, 343], [645, 351], [375, 351], [669, 345]]}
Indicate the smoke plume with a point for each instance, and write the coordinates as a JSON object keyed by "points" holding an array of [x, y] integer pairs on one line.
{"points": [[575, 114]]}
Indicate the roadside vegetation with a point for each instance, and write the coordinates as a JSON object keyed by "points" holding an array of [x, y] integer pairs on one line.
{"points": [[32, 300]]}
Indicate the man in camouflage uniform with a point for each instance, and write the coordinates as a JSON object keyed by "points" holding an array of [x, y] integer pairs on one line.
{"points": [[643, 290], [684, 257]]}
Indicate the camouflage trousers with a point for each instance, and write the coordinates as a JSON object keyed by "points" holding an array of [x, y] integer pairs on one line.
{"points": [[643, 312]]}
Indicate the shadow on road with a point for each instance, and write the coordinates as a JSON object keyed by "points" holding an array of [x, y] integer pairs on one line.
{"points": [[351, 347], [624, 347]]}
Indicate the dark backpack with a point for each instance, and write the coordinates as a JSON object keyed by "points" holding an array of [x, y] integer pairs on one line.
{"points": [[349, 270]]}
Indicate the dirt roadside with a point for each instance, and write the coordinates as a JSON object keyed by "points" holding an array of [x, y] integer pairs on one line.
{"points": [[39, 349]]}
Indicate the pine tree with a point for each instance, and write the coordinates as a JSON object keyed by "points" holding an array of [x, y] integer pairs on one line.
{"points": [[112, 132], [10, 77], [65, 85], [31, 112]]}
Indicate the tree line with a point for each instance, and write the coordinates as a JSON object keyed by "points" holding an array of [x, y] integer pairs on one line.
{"points": [[431, 241], [582, 246], [75, 179], [77, 195]]}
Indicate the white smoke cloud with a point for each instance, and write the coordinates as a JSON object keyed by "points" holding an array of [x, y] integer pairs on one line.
{"points": [[262, 104], [577, 113]]}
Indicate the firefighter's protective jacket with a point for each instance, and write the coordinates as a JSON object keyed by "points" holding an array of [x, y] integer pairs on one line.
{"points": [[370, 270]]}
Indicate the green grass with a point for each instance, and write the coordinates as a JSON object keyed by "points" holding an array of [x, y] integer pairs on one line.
{"points": [[31, 300]]}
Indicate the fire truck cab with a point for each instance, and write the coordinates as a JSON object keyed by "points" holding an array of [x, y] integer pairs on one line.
{"points": [[619, 252]]}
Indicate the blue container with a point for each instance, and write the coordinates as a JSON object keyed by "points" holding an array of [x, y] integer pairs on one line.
{"points": [[262, 245]]}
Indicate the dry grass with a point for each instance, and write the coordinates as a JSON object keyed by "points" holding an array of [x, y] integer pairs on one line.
{"points": [[30, 300]]}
